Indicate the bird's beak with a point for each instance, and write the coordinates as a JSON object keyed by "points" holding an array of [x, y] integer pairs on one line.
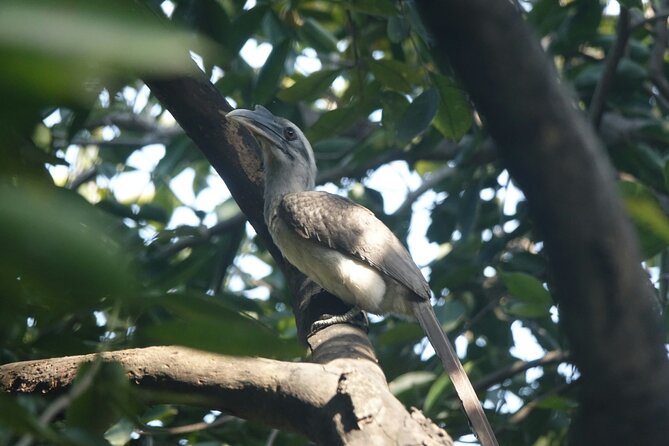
{"points": [[262, 123]]}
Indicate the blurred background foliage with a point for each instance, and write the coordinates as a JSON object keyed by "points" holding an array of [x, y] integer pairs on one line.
{"points": [[117, 233]]}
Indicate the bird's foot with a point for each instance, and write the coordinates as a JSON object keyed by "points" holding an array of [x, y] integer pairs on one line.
{"points": [[351, 316]]}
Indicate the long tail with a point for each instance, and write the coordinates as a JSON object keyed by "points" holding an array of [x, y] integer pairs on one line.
{"points": [[427, 319]]}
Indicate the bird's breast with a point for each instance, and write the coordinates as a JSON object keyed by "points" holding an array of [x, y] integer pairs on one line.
{"points": [[350, 279]]}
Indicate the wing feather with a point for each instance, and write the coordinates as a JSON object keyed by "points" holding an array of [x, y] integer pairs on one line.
{"points": [[353, 230]]}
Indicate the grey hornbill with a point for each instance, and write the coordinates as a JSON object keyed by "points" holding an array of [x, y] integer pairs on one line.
{"points": [[344, 248]]}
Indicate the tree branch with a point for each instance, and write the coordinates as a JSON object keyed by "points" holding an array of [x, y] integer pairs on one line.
{"points": [[616, 53], [656, 62], [205, 235], [518, 367], [341, 402], [606, 302]]}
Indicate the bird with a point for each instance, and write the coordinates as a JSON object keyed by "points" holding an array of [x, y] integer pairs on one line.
{"points": [[342, 246]]}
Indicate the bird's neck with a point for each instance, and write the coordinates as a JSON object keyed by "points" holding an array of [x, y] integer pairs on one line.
{"points": [[279, 182]]}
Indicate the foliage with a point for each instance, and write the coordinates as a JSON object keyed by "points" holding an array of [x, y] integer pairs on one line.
{"points": [[117, 233]]}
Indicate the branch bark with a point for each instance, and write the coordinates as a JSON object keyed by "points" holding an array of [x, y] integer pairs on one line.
{"points": [[606, 303], [340, 402]]}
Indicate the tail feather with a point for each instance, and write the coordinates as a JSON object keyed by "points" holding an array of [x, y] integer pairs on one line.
{"points": [[428, 320]]}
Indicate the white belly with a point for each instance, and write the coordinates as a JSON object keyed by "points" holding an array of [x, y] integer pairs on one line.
{"points": [[353, 281]]}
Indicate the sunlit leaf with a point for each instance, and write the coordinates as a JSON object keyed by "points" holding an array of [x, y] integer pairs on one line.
{"points": [[308, 88]]}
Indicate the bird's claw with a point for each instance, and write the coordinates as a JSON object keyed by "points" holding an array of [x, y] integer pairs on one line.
{"points": [[350, 317]]}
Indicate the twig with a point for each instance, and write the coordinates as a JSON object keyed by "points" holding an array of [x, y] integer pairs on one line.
{"points": [[518, 367], [434, 179], [656, 62], [205, 235], [186, 429], [612, 60], [524, 411], [83, 177], [272, 437], [643, 21], [61, 403]]}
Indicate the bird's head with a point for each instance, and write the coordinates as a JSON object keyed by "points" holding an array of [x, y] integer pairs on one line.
{"points": [[285, 148]]}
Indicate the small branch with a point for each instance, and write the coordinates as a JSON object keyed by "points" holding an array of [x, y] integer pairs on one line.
{"points": [[186, 429], [205, 235], [656, 62], [518, 367], [643, 21], [616, 53], [434, 179], [524, 411], [83, 177]]}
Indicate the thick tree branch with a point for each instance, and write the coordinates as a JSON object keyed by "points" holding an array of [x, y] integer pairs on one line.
{"points": [[606, 303], [341, 402]]}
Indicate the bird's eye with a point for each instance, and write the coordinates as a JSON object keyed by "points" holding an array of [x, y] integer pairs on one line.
{"points": [[289, 133]]}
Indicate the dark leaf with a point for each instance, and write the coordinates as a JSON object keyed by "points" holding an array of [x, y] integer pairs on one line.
{"points": [[418, 116]]}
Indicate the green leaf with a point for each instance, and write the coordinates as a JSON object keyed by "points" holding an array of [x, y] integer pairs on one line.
{"points": [[333, 122], [271, 73], [19, 420], [83, 40], [394, 107], [528, 296], [651, 223], [398, 29], [438, 388], [318, 37], [204, 323], [418, 116], [244, 27], [450, 314], [334, 147], [106, 396], [401, 333], [526, 288], [387, 72], [57, 245], [372, 7], [310, 87], [455, 116], [410, 381]]}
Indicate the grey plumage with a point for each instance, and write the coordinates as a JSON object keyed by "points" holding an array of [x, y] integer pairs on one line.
{"points": [[344, 248], [353, 230]]}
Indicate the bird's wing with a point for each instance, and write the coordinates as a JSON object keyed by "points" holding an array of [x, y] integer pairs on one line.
{"points": [[353, 230]]}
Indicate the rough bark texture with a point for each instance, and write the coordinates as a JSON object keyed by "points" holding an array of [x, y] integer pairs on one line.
{"points": [[339, 402], [606, 303]]}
